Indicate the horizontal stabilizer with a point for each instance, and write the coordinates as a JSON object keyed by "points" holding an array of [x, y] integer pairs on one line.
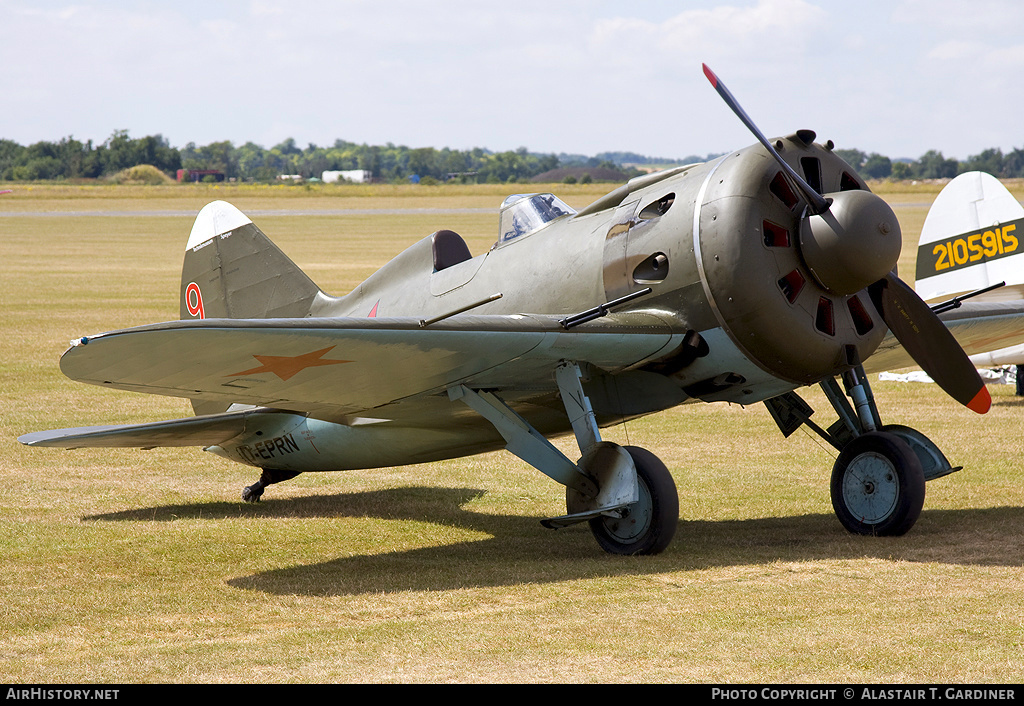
{"points": [[209, 430]]}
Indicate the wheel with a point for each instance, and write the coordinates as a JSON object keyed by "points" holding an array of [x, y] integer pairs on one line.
{"points": [[649, 524], [877, 485], [252, 493]]}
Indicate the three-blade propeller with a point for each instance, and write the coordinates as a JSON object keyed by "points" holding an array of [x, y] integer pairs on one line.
{"points": [[921, 333]]}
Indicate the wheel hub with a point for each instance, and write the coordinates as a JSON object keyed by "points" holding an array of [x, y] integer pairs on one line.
{"points": [[871, 489], [634, 520]]}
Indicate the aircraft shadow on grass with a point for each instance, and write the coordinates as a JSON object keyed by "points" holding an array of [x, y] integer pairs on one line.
{"points": [[511, 554]]}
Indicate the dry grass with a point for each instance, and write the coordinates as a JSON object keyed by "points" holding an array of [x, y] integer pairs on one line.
{"points": [[134, 566]]}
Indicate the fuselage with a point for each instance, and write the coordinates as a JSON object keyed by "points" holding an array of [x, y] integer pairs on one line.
{"points": [[720, 246]]}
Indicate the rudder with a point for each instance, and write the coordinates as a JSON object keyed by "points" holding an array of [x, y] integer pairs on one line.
{"points": [[233, 271]]}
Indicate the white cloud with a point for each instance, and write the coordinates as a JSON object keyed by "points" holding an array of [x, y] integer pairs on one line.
{"points": [[956, 50], [765, 29]]}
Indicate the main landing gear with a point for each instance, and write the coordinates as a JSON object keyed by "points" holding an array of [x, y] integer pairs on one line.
{"points": [[878, 480], [877, 485], [625, 493]]}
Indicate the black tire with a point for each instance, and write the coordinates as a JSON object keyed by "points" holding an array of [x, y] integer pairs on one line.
{"points": [[877, 486], [650, 524]]}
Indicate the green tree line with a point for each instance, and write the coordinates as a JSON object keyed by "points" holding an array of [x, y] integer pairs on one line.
{"points": [[71, 159], [933, 165]]}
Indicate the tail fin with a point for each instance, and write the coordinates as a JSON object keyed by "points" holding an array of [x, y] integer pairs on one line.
{"points": [[233, 271], [973, 237]]}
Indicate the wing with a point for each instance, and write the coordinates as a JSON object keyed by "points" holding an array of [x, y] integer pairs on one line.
{"points": [[335, 369], [979, 327]]}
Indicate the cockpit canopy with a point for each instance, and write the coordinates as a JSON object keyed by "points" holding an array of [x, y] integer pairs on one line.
{"points": [[522, 214]]}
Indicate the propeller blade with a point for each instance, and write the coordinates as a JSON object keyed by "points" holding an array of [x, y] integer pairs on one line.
{"points": [[929, 342], [816, 202], [915, 326]]}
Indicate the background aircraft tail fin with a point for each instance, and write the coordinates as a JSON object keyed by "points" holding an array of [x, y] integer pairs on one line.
{"points": [[233, 271], [973, 237]]}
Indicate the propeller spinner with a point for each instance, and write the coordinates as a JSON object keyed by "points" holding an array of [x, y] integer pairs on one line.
{"points": [[852, 240]]}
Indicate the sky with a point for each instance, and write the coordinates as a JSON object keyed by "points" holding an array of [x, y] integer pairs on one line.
{"points": [[896, 77]]}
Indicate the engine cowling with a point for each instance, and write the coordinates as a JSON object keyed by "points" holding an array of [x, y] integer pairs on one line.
{"points": [[791, 293]]}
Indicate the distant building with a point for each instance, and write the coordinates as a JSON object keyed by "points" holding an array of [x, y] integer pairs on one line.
{"points": [[199, 174], [356, 176]]}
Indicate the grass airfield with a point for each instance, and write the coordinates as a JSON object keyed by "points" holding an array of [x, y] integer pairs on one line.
{"points": [[145, 566]]}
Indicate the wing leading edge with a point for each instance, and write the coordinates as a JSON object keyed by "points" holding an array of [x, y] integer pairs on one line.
{"points": [[979, 327], [334, 368]]}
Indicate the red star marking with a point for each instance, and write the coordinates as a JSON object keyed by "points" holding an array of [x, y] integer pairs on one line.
{"points": [[286, 367]]}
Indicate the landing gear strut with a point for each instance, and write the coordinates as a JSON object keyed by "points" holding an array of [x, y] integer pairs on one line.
{"points": [[626, 494]]}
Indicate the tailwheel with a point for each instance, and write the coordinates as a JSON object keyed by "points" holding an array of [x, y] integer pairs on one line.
{"points": [[648, 525], [253, 493], [877, 485], [269, 476]]}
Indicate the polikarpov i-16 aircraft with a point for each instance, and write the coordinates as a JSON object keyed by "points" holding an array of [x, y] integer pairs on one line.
{"points": [[736, 280]]}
